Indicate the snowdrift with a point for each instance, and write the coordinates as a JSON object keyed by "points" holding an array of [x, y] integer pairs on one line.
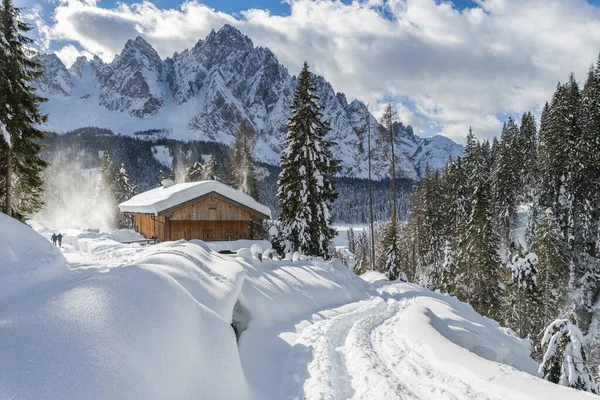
{"points": [[155, 322], [26, 257], [157, 328], [468, 350]]}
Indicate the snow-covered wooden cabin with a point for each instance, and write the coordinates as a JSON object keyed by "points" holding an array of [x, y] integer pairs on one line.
{"points": [[207, 210]]}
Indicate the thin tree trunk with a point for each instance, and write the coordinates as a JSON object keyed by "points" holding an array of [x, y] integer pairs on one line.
{"points": [[393, 188], [9, 172], [371, 199]]}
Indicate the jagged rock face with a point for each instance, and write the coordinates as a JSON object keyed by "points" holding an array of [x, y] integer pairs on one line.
{"points": [[205, 92], [56, 79], [134, 82]]}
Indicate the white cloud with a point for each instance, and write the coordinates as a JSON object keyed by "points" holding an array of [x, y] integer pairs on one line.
{"points": [[457, 68], [68, 54]]}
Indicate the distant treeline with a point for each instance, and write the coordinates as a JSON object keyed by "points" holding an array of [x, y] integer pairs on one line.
{"points": [[83, 147]]}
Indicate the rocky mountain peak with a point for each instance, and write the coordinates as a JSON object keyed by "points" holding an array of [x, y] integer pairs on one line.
{"points": [[205, 92], [56, 79], [134, 81]]}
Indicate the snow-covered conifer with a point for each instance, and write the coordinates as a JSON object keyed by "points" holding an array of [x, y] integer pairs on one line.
{"points": [[447, 279], [478, 282], [124, 189], [194, 172], [210, 172], [20, 118], [565, 360], [306, 187], [523, 295], [351, 240], [553, 268]]}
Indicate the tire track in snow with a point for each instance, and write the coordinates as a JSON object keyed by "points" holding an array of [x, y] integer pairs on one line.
{"points": [[316, 368], [371, 377], [426, 381]]}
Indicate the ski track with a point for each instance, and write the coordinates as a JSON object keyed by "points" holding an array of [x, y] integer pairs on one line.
{"points": [[426, 381], [360, 356]]}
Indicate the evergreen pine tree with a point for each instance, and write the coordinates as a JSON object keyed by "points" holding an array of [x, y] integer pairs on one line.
{"points": [[20, 162], [210, 171], [447, 280], [361, 254], [392, 257], [105, 183], [506, 181], [553, 268], [306, 186], [565, 360], [527, 154], [477, 260], [194, 172], [351, 240], [124, 189], [523, 295], [242, 174]]}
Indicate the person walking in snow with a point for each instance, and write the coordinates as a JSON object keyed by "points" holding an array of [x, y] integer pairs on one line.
{"points": [[59, 237], [54, 238]]}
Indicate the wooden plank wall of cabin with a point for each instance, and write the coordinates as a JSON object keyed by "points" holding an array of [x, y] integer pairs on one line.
{"points": [[149, 226], [211, 209], [208, 230]]}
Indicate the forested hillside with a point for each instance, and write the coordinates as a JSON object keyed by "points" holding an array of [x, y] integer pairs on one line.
{"points": [[147, 157], [512, 228]]}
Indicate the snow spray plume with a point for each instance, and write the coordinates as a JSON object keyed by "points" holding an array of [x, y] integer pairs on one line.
{"points": [[72, 199]]}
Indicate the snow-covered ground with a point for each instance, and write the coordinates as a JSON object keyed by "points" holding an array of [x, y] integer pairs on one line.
{"points": [[124, 321]]}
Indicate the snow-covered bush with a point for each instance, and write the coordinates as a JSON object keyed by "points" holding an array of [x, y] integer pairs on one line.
{"points": [[565, 361]]}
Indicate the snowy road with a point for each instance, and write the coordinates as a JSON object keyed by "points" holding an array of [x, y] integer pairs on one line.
{"points": [[358, 355], [314, 331]]}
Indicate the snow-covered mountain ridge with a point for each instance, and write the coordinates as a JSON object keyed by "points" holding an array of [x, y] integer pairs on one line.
{"points": [[203, 93]]}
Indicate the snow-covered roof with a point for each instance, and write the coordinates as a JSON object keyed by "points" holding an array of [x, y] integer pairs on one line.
{"points": [[158, 200]]}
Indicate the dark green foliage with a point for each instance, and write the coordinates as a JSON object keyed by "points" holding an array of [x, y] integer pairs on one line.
{"points": [[506, 180], [392, 257], [194, 172], [242, 171], [477, 257], [20, 164], [553, 269], [306, 187]]}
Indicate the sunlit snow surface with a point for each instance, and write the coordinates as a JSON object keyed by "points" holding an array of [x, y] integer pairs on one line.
{"points": [[131, 322]]}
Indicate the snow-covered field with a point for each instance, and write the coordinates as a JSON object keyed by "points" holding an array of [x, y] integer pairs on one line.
{"points": [[105, 320]]}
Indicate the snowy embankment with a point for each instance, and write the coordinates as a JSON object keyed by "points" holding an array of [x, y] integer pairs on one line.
{"points": [[25, 257], [154, 322]]}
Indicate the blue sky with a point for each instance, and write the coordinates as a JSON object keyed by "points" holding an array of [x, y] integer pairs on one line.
{"points": [[446, 66], [277, 7]]}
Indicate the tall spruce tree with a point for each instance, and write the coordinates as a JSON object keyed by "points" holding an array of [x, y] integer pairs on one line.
{"points": [[194, 172], [241, 171], [392, 256], [105, 183], [306, 187], [124, 189], [527, 154], [523, 295], [20, 162], [565, 359], [478, 259], [242, 174], [506, 181], [553, 268], [210, 172]]}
